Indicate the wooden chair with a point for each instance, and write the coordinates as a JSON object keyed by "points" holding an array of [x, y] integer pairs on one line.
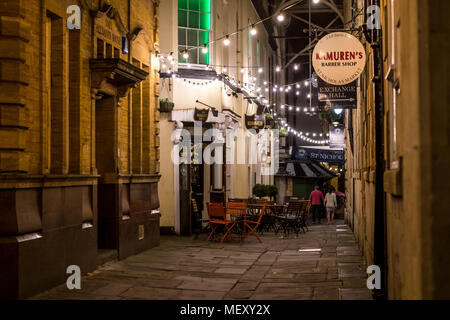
{"points": [[236, 211], [217, 221], [291, 220], [305, 215], [252, 226]]}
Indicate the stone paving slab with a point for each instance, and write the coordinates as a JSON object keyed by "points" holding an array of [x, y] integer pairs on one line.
{"points": [[187, 269]]}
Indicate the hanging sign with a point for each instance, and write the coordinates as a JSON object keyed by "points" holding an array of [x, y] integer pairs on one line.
{"points": [[201, 115], [307, 155], [337, 137], [255, 122], [343, 97], [339, 58]]}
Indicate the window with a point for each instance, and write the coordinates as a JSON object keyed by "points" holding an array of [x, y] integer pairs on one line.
{"points": [[194, 30], [393, 86], [57, 56]]}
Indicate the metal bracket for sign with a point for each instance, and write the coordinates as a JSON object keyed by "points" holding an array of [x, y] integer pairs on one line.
{"points": [[214, 110]]}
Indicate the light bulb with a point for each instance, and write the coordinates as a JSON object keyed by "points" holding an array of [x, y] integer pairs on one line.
{"points": [[226, 41], [280, 17], [306, 83], [316, 1], [205, 49], [253, 30], [278, 69], [295, 67], [260, 70], [185, 54]]}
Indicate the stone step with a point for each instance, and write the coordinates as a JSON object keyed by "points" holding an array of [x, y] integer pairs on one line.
{"points": [[106, 255]]}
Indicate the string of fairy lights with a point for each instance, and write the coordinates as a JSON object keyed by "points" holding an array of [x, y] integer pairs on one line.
{"points": [[310, 137], [250, 83], [168, 63]]}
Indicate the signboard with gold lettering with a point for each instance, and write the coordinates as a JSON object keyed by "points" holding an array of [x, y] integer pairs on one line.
{"points": [[201, 115], [342, 97], [255, 122]]}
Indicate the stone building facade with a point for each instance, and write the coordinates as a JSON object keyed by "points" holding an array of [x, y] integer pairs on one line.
{"points": [[404, 228], [79, 137]]}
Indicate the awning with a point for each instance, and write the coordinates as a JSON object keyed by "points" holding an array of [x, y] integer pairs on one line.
{"points": [[304, 170]]}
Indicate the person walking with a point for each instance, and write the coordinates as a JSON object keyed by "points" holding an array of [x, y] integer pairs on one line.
{"points": [[316, 198], [330, 204]]}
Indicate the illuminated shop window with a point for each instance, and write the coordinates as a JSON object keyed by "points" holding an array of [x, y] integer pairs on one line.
{"points": [[194, 30]]}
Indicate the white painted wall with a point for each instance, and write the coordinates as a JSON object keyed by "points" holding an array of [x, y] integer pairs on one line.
{"points": [[228, 16]]}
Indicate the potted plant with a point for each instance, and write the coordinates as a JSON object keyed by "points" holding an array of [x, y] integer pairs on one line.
{"points": [[165, 105], [272, 191], [283, 132], [269, 120], [259, 190]]}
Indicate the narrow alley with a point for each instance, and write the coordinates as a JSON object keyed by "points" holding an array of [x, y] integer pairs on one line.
{"points": [[277, 269], [146, 144]]}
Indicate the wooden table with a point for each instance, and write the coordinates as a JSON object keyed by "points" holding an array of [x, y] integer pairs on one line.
{"points": [[269, 219]]}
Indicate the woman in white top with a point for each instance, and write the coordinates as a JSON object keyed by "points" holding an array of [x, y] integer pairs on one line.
{"points": [[331, 205]]}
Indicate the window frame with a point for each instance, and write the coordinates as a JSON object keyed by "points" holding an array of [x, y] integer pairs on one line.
{"points": [[198, 30]]}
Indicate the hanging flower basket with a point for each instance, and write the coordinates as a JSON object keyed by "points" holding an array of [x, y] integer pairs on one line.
{"points": [[270, 123], [283, 132], [165, 105]]}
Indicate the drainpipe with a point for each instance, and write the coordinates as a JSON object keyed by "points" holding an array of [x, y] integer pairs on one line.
{"points": [[380, 252]]}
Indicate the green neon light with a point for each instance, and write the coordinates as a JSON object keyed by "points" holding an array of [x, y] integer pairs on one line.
{"points": [[195, 14]]}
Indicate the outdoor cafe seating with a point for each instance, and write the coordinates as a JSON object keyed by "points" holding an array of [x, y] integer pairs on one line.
{"points": [[232, 219], [244, 219]]}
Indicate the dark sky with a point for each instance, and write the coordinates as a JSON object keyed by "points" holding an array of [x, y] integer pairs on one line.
{"points": [[296, 40]]}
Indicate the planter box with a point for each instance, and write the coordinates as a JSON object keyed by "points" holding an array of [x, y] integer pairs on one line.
{"points": [[166, 106]]}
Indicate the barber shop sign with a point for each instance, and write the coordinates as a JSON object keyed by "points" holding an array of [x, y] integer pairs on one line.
{"points": [[339, 58]]}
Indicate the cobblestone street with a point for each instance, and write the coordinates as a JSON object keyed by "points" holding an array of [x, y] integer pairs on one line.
{"points": [[182, 268]]}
